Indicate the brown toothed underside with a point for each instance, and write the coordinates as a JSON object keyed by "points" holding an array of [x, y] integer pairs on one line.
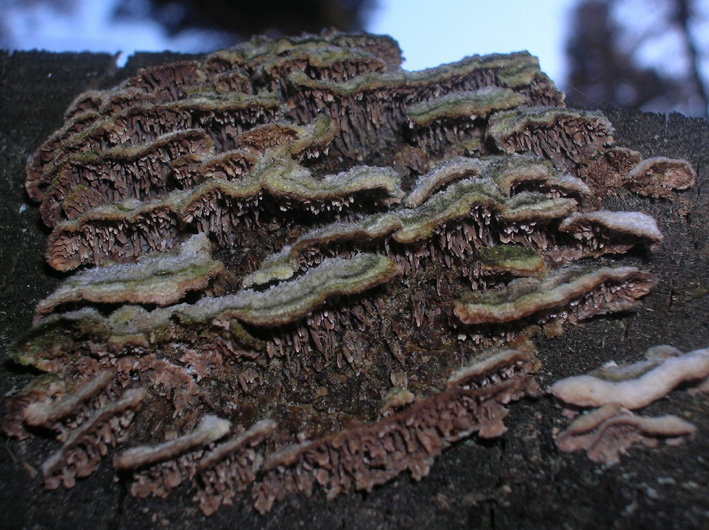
{"points": [[293, 264]]}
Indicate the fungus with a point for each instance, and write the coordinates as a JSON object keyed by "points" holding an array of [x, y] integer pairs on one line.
{"points": [[384, 96], [397, 398], [634, 387], [163, 467], [41, 390], [660, 176], [606, 170], [275, 228], [617, 231], [518, 172], [514, 259], [88, 443], [430, 212], [124, 230], [140, 172], [557, 134], [454, 202], [586, 293], [77, 201], [133, 327], [451, 118], [445, 172], [284, 264], [286, 302], [153, 279], [611, 430], [231, 466], [305, 141], [42, 413], [534, 207], [369, 455], [222, 118], [168, 80], [471, 105], [210, 428]]}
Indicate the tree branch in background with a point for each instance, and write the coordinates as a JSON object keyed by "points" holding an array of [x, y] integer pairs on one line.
{"points": [[604, 69], [242, 19], [683, 16]]}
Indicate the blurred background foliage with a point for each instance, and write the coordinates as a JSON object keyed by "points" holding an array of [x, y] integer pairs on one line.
{"points": [[638, 54], [241, 20]]}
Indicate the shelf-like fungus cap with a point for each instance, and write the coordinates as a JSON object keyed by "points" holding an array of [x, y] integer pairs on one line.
{"points": [[633, 387], [606, 433], [525, 297]]}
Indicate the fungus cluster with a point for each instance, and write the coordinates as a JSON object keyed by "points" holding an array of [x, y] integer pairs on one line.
{"points": [[609, 430], [293, 263]]}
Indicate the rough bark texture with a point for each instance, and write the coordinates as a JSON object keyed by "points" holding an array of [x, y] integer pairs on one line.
{"points": [[517, 481]]}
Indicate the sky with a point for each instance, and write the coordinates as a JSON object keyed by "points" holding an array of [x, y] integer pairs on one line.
{"points": [[429, 35], [89, 27], [427, 32]]}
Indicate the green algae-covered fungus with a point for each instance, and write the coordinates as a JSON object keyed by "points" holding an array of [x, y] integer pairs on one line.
{"points": [[294, 264]]}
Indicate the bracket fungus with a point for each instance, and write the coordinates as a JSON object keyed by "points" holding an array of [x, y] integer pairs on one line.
{"points": [[279, 250], [161, 279], [612, 428], [637, 385], [584, 293], [606, 433], [660, 176]]}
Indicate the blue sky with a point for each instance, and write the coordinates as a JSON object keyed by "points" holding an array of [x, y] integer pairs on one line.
{"points": [[429, 32]]}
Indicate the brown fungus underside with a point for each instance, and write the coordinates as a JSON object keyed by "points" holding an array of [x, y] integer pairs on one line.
{"points": [[306, 265]]}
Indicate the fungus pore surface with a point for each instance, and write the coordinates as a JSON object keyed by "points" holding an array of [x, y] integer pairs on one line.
{"points": [[294, 265]]}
